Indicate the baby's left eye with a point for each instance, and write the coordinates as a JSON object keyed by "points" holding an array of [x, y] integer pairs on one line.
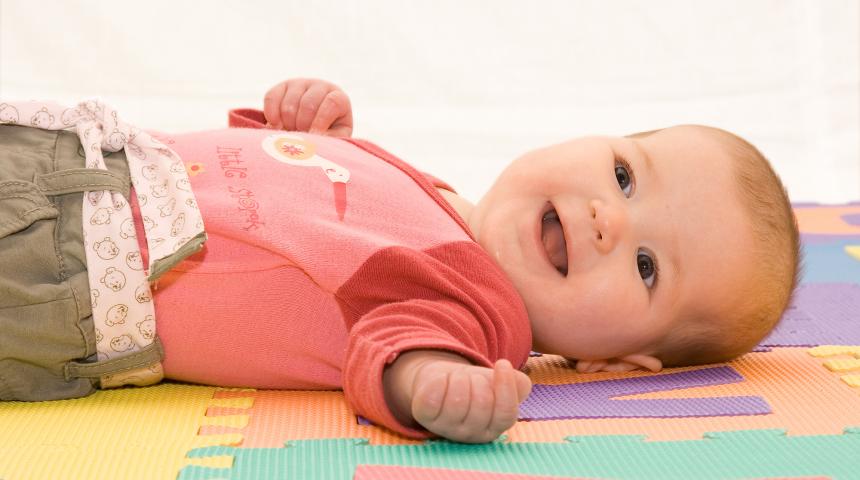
{"points": [[622, 176], [647, 268]]}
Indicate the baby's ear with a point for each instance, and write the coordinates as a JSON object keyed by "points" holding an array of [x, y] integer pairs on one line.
{"points": [[623, 364]]}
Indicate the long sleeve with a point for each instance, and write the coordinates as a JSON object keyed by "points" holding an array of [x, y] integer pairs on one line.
{"points": [[426, 305], [383, 334]]}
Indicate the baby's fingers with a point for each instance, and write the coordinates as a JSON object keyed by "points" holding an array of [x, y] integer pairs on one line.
{"points": [[443, 402], [590, 366], [272, 104], [288, 110], [334, 115], [524, 385], [309, 105], [456, 403], [428, 398], [473, 427], [506, 406], [476, 426]]}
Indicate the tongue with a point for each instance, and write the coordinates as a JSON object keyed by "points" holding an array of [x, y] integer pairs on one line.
{"points": [[553, 241]]}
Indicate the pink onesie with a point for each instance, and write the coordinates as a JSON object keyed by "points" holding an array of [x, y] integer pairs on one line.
{"points": [[326, 259]]}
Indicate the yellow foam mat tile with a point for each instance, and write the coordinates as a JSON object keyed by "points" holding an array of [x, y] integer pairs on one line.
{"points": [[834, 350], [842, 365], [227, 413], [853, 250], [853, 380], [141, 432]]}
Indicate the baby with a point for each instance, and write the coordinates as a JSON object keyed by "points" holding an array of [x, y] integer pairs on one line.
{"points": [[332, 264]]}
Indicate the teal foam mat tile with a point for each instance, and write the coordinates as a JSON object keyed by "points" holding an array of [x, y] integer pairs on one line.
{"points": [[719, 455]]}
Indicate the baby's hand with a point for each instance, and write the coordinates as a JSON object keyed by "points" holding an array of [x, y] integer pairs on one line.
{"points": [[463, 402], [309, 105], [623, 364], [467, 403]]}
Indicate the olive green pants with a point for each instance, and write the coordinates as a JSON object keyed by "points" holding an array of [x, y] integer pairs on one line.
{"points": [[47, 336]]}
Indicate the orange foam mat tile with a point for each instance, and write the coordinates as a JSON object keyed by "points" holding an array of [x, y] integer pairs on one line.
{"points": [[826, 219], [277, 416], [805, 398]]}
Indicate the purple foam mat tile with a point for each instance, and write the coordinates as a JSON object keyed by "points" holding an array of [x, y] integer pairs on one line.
{"points": [[852, 219], [826, 238], [596, 399], [820, 314], [808, 204]]}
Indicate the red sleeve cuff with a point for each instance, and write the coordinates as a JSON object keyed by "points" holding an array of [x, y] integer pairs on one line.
{"points": [[371, 350], [364, 389], [246, 118]]}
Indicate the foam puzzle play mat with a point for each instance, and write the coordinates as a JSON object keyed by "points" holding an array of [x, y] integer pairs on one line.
{"points": [[790, 409]]}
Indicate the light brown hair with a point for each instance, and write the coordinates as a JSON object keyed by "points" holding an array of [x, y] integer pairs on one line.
{"points": [[768, 290]]}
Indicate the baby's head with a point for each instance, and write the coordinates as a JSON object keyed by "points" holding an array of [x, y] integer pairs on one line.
{"points": [[671, 247]]}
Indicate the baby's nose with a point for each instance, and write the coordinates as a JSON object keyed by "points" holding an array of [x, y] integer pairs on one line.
{"points": [[609, 222]]}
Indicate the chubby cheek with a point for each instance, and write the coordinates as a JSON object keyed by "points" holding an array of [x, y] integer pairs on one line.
{"points": [[605, 309], [608, 314]]}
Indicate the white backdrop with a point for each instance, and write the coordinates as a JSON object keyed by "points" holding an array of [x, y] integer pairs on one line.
{"points": [[459, 88]]}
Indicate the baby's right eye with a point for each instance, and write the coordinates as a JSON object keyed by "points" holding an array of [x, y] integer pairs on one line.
{"points": [[623, 177]]}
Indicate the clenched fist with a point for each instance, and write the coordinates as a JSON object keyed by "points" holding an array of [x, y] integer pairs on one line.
{"points": [[454, 399], [309, 105]]}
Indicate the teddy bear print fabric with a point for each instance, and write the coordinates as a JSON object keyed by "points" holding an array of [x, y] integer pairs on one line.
{"points": [[122, 306]]}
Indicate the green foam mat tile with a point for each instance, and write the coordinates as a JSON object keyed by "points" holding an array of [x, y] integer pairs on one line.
{"points": [[719, 455]]}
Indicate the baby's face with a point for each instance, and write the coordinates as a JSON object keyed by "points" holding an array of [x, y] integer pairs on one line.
{"points": [[610, 241]]}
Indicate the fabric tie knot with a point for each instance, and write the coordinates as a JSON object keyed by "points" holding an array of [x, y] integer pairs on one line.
{"points": [[98, 117]]}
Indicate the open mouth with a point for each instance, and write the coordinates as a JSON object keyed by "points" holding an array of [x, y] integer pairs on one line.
{"points": [[552, 237]]}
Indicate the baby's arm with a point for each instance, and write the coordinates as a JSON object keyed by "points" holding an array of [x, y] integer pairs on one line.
{"points": [[452, 398], [309, 105]]}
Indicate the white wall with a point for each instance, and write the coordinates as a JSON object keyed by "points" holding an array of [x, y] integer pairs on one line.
{"points": [[459, 88]]}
